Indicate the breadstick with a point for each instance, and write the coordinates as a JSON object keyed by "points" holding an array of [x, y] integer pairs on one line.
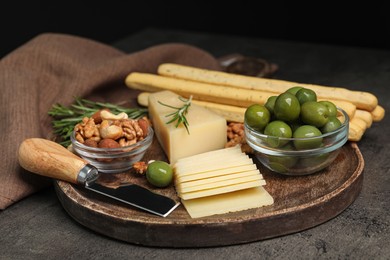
{"points": [[362, 100], [359, 122], [378, 113], [223, 95], [355, 132], [364, 115], [200, 91]]}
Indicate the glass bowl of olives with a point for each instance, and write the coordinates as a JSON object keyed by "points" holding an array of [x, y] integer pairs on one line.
{"points": [[294, 138]]}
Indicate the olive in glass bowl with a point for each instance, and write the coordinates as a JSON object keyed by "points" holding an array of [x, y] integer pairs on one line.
{"points": [[301, 154]]}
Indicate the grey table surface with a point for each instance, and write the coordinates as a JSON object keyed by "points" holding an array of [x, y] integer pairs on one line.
{"points": [[38, 227]]}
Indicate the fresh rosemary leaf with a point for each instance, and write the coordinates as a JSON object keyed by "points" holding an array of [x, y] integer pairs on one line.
{"points": [[179, 115]]}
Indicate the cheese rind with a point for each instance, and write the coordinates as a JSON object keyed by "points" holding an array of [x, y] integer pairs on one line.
{"points": [[207, 130], [229, 202]]}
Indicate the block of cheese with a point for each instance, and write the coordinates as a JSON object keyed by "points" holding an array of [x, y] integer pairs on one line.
{"points": [[228, 202], [207, 130]]}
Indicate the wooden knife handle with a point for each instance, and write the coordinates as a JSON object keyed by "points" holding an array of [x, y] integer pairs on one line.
{"points": [[48, 158]]}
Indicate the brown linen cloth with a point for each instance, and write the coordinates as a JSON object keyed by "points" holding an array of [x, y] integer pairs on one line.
{"points": [[54, 68]]}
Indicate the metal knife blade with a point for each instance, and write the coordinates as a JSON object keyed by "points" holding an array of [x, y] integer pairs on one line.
{"points": [[50, 159], [137, 196]]}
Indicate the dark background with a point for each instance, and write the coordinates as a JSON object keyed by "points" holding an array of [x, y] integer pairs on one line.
{"points": [[366, 25]]}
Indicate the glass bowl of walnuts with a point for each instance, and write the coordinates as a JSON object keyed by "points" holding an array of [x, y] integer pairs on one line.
{"points": [[112, 143]]}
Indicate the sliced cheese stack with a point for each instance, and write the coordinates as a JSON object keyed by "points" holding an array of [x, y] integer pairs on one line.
{"points": [[218, 182]]}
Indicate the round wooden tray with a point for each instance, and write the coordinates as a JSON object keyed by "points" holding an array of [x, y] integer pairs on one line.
{"points": [[300, 203]]}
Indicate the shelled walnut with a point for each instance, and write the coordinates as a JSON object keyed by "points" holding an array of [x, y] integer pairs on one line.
{"points": [[236, 135], [111, 131]]}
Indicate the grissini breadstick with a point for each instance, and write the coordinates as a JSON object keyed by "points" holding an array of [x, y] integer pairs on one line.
{"points": [[223, 95], [200, 91], [355, 132], [359, 122], [362, 100], [364, 115], [378, 113]]}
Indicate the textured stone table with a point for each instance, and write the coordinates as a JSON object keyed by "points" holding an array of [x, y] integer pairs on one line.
{"points": [[39, 228]]}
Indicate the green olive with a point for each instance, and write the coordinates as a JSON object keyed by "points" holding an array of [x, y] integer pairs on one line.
{"points": [[276, 129], [314, 113], [257, 116], [159, 174], [282, 164], [294, 90], [305, 94], [331, 107], [305, 136], [287, 107], [313, 161], [332, 124], [270, 104]]}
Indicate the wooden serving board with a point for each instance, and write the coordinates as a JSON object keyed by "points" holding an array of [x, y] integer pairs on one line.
{"points": [[300, 203]]}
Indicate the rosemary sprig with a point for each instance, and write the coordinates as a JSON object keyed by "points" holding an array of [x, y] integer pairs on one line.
{"points": [[65, 118], [179, 115]]}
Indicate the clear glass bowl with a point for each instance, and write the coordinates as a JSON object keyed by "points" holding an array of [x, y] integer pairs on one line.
{"points": [[280, 155], [113, 160]]}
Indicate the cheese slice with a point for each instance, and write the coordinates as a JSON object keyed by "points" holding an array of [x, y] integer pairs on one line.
{"points": [[223, 182], [222, 164], [220, 172], [210, 160], [207, 130], [228, 202], [221, 190], [218, 179]]}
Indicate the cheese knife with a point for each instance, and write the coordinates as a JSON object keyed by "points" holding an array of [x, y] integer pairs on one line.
{"points": [[50, 159]]}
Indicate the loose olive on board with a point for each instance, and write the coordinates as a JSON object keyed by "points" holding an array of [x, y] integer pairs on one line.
{"points": [[159, 174]]}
